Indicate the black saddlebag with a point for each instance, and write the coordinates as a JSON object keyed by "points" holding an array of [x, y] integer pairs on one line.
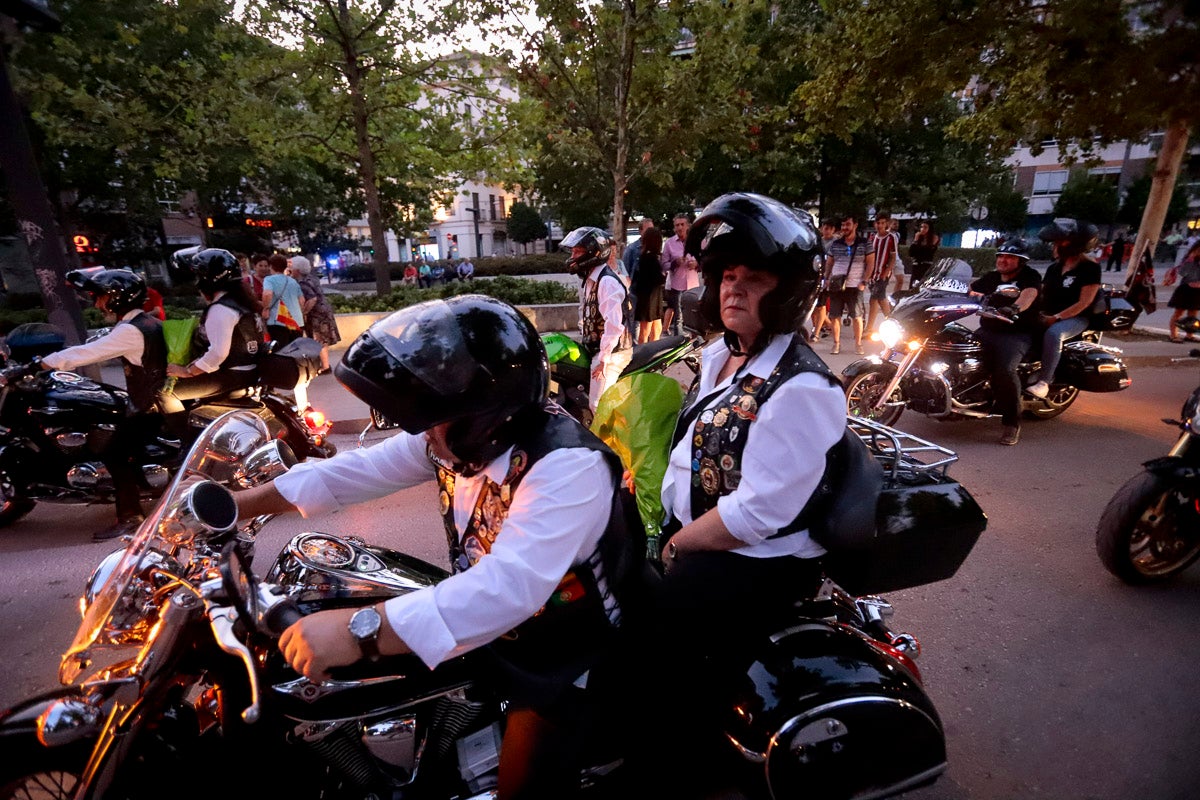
{"points": [[298, 362], [1092, 367], [834, 716], [1112, 311], [919, 531]]}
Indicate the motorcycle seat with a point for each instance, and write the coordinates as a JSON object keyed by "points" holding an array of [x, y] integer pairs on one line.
{"points": [[644, 354]]}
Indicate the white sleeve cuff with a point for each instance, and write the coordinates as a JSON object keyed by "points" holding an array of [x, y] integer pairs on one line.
{"points": [[302, 487], [424, 630]]}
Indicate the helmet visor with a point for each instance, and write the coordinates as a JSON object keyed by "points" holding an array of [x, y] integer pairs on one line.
{"points": [[428, 341]]}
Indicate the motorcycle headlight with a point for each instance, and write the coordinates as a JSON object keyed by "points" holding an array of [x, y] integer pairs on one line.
{"points": [[890, 333]]}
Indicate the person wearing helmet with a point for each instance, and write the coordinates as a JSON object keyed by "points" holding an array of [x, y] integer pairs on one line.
{"points": [[539, 525], [1005, 343], [605, 311], [748, 452], [1069, 290], [137, 340], [230, 337]]}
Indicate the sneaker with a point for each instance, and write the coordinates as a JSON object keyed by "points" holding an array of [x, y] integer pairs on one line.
{"points": [[1010, 435], [837, 348], [1039, 389], [858, 348], [120, 528]]}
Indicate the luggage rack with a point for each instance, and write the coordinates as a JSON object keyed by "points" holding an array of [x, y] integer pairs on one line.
{"points": [[905, 458]]}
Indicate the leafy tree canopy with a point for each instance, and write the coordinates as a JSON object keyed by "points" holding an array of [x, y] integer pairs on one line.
{"points": [[1088, 197]]}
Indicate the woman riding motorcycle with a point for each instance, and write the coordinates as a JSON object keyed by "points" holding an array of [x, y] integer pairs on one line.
{"points": [[1068, 291], [231, 337], [748, 452], [539, 539], [136, 339]]}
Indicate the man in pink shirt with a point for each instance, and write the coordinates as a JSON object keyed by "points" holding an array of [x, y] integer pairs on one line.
{"points": [[681, 272]]}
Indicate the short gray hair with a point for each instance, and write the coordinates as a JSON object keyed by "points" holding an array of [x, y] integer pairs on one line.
{"points": [[301, 265]]}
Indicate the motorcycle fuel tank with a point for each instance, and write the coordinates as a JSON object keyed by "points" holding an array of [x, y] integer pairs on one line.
{"points": [[67, 392]]}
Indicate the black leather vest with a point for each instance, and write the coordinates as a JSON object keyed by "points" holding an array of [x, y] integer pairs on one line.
{"points": [[145, 383], [591, 322], [558, 642], [247, 342], [718, 435]]}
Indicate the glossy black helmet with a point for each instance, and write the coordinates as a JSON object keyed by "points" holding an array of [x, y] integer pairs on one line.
{"points": [[1073, 237], [762, 234], [125, 289], [216, 270], [472, 361], [597, 246], [1013, 249]]}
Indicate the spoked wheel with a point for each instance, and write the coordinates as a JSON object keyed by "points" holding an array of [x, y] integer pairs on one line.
{"points": [[1058, 400], [864, 392], [1150, 530], [34, 772], [12, 505]]}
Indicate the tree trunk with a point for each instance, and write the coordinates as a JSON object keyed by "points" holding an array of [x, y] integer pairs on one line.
{"points": [[368, 173], [1166, 171], [628, 47]]}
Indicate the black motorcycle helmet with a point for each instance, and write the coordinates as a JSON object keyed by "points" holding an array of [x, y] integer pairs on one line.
{"points": [[762, 234], [1013, 249], [1073, 237], [125, 289], [597, 244], [215, 270], [471, 360]]}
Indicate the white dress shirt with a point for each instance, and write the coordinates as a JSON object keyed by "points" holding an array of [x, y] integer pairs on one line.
{"points": [[610, 296], [783, 459], [218, 326], [555, 520], [123, 341]]}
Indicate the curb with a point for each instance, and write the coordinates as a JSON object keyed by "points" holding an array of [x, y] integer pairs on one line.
{"points": [[350, 426]]}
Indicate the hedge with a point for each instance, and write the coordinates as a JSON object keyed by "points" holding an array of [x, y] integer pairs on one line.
{"points": [[516, 291], [537, 264]]}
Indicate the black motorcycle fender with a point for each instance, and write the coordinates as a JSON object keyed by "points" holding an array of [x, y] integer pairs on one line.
{"points": [[1174, 467], [815, 707], [864, 365]]}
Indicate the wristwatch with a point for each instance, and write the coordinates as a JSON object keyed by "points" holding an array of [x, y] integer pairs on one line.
{"points": [[364, 627]]}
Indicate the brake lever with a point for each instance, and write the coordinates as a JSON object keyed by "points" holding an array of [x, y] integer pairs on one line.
{"points": [[222, 619]]}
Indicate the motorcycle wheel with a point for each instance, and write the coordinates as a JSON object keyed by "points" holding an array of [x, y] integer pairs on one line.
{"points": [[864, 390], [34, 772], [12, 505], [1141, 535], [1059, 399]]}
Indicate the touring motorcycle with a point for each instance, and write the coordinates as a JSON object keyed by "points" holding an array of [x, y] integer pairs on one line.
{"points": [[56, 426], [182, 675], [933, 365], [1150, 529]]}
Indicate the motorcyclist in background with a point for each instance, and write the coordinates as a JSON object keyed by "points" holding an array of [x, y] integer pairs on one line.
{"points": [[136, 339], [604, 308], [531, 500], [1006, 343], [1069, 289], [231, 337]]}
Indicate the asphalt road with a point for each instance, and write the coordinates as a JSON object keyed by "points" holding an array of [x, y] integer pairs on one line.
{"points": [[1052, 678]]}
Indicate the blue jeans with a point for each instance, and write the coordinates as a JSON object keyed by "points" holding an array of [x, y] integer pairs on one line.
{"points": [[1052, 341]]}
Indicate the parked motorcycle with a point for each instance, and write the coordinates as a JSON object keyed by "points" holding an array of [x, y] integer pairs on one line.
{"points": [[56, 426], [1150, 529], [183, 673], [934, 365]]}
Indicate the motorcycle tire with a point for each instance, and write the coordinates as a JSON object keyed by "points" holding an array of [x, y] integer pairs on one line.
{"points": [[32, 770], [1059, 399], [863, 390], [12, 505], [1149, 531]]}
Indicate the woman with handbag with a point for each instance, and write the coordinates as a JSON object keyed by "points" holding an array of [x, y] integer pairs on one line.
{"points": [[319, 322]]}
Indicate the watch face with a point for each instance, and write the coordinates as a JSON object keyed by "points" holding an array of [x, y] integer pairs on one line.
{"points": [[365, 623]]}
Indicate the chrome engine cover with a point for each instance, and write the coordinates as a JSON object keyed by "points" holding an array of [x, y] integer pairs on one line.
{"points": [[321, 566]]}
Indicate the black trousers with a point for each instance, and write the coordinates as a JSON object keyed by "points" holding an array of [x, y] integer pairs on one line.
{"points": [[542, 753], [123, 461], [1002, 354], [700, 628]]}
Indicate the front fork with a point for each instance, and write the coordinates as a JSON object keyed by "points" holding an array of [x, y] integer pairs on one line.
{"points": [[906, 363]]}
